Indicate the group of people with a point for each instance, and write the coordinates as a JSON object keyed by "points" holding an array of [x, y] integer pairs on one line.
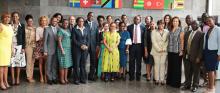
{"points": [[63, 45]]}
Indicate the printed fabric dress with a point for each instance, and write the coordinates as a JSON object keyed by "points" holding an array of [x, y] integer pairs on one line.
{"points": [[65, 61], [111, 59], [102, 47]]}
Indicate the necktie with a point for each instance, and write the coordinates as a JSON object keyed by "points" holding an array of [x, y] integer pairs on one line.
{"points": [[189, 42], [135, 34], [90, 24]]}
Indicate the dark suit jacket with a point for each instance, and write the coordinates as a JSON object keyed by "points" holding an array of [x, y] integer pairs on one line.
{"points": [[78, 39], [21, 35], [130, 29], [147, 39], [93, 34], [196, 45]]}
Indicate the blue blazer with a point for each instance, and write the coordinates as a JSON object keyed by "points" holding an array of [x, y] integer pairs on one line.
{"points": [[78, 39], [214, 40]]}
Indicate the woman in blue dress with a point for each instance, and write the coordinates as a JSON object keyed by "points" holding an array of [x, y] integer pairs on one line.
{"points": [[123, 47], [211, 52]]}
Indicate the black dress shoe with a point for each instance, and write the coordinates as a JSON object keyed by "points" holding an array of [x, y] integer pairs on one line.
{"points": [[83, 82], [138, 79], [131, 79], [76, 82], [194, 89], [185, 88], [49, 82], [55, 82]]}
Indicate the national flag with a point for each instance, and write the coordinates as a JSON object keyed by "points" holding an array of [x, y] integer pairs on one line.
{"points": [[86, 3], [107, 4], [168, 4], [74, 3], [139, 4], [178, 4], [118, 4], [153, 4]]}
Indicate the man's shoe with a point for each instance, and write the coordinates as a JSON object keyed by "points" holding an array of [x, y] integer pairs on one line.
{"points": [[194, 89], [55, 82], [50, 82]]}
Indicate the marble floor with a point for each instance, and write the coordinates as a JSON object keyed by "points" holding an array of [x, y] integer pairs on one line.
{"points": [[99, 87]]}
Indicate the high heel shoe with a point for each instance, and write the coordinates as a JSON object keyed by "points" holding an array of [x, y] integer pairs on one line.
{"points": [[3, 87]]}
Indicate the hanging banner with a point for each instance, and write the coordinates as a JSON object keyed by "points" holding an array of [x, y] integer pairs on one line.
{"points": [[158, 4], [95, 3]]}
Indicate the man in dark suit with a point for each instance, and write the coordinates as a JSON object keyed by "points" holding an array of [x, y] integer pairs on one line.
{"points": [[50, 48], [80, 43], [193, 46], [93, 37], [136, 31]]}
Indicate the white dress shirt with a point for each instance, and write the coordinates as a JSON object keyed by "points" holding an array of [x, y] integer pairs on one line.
{"points": [[138, 33]]}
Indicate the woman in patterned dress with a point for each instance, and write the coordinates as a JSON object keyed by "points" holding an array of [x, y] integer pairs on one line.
{"points": [[110, 65], [18, 57], [64, 51], [43, 22]]}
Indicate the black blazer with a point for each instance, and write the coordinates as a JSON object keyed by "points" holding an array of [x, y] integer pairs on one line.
{"points": [[21, 35], [130, 29], [93, 34], [78, 39]]}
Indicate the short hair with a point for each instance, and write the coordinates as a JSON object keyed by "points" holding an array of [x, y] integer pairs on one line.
{"points": [[51, 19], [4, 15], [64, 20], [117, 20], [151, 18], [100, 16], [89, 13], [160, 22], [210, 17], [28, 16], [122, 23], [123, 15], [104, 24], [41, 18], [77, 20], [108, 16], [13, 13]]}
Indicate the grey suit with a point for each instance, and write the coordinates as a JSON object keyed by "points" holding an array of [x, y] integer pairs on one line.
{"points": [[192, 69], [94, 40], [50, 46]]}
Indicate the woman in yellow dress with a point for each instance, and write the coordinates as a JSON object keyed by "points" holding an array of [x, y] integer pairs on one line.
{"points": [[110, 65], [6, 35]]}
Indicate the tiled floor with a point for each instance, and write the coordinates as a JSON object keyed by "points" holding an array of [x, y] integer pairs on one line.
{"points": [[99, 87]]}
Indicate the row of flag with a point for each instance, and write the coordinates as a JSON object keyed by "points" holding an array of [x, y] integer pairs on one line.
{"points": [[138, 4], [96, 3], [158, 4]]}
